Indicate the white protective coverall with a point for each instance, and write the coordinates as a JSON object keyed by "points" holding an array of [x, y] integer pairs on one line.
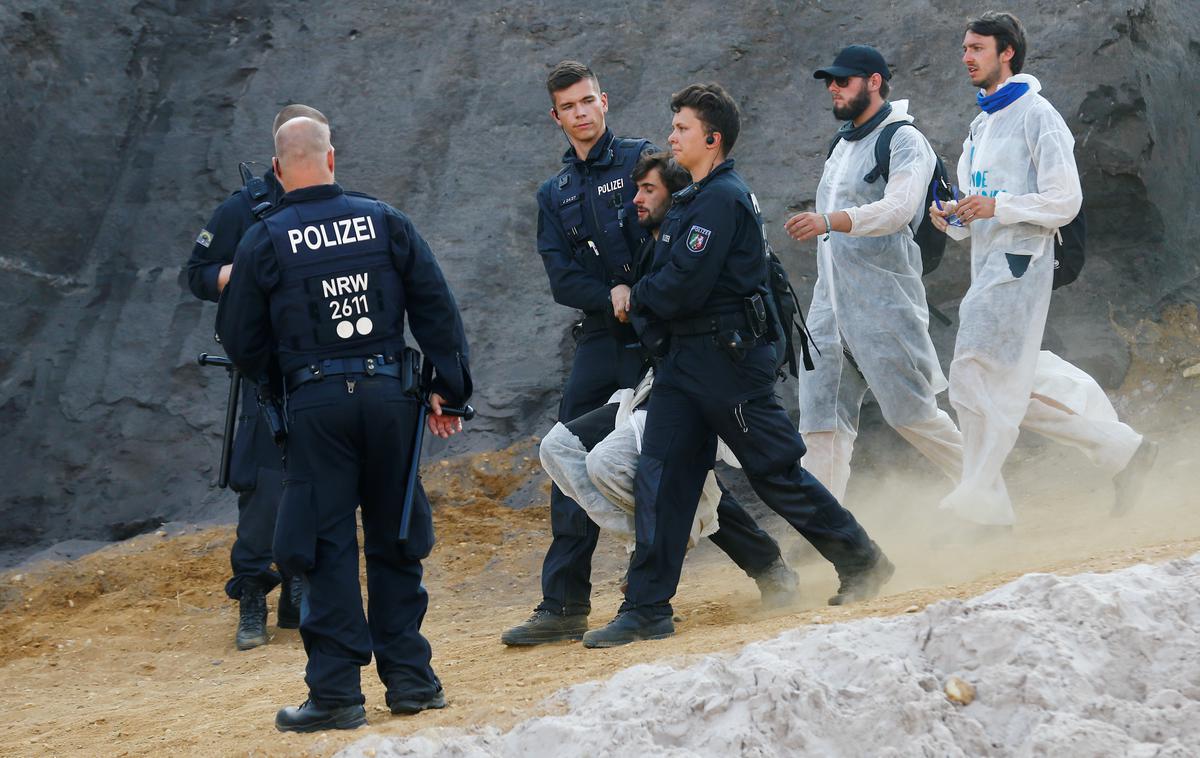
{"points": [[601, 480], [869, 297], [1070, 407], [1023, 156]]}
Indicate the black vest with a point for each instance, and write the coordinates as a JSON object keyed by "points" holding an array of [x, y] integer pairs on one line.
{"points": [[339, 294], [595, 204]]}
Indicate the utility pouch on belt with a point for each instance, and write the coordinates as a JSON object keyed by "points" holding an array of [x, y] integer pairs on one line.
{"points": [[410, 371], [756, 314], [272, 413]]}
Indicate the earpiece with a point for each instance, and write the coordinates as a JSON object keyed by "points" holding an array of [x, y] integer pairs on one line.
{"points": [[709, 140]]}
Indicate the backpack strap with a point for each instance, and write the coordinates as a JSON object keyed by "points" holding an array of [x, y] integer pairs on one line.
{"points": [[836, 139], [883, 151]]}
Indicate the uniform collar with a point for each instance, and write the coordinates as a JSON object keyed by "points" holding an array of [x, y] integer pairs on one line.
{"points": [[687, 193], [600, 155], [315, 192]]}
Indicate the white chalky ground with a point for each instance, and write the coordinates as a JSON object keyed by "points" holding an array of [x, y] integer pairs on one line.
{"points": [[1095, 664]]}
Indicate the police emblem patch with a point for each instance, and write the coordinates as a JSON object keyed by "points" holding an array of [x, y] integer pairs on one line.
{"points": [[205, 238], [697, 239]]}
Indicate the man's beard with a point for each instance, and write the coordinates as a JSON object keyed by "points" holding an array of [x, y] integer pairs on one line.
{"points": [[854, 108], [653, 220]]}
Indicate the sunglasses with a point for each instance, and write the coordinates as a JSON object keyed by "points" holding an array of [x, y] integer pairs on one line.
{"points": [[946, 192], [841, 81]]}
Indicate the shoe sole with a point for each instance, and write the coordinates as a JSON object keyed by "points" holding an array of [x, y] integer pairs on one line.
{"points": [[322, 726], [412, 708], [251, 643], [288, 624], [532, 641], [614, 643]]}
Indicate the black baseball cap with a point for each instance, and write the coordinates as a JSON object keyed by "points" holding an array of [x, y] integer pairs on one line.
{"points": [[856, 60]]}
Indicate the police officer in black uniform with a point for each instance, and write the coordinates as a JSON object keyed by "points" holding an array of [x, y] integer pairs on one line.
{"points": [[588, 235], [718, 380], [322, 285], [256, 470]]}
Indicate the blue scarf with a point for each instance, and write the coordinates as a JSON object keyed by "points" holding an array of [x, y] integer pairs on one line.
{"points": [[1002, 97]]}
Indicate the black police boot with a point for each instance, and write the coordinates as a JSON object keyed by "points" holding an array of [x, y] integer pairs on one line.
{"points": [[545, 626], [403, 704], [290, 594], [309, 717], [777, 584], [863, 584], [1131, 480], [252, 616], [629, 626]]}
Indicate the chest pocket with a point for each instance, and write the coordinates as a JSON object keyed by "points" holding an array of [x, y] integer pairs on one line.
{"points": [[570, 213], [352, 306]]}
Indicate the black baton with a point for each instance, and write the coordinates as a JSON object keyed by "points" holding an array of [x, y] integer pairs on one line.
{"points": [[414, 469], [231, 409]]}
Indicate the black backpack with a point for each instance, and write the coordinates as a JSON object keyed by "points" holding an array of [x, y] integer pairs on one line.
{"points": [[929, 239], [783, 308], [1069, 244], [785, 319]]}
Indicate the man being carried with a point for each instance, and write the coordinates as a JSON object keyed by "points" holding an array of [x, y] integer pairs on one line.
{"points": [[1019, 165], [869, 297]]}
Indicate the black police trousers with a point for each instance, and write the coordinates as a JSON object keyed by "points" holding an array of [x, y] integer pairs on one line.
{"points": [[603, 364], [700, 394], [349, 443], [256, 474], [752, 549]]}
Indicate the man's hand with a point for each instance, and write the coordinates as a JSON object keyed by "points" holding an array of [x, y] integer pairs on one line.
{"points": [[620, 302], [938, 215], [223, 277], [805, 226], [442, 426], [975, 207]]}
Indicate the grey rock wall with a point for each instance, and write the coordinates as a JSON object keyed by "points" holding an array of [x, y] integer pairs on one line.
{"points": [[122, 124]]}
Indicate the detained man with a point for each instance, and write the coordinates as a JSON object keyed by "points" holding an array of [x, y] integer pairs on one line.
{"points": [[1018, 173], [869, 298]]}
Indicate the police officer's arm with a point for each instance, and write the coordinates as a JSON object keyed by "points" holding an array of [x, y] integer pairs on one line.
{"points": [[910, 174], [432, 311], [682, 285], [244, 316], [571, 284], [215, 246]]}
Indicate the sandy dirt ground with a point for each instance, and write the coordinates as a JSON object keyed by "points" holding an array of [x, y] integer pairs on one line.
{"points": [[129, 651]]}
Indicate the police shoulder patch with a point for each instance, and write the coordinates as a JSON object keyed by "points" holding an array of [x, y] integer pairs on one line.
{"points": [[205, 238], [697, 238]]}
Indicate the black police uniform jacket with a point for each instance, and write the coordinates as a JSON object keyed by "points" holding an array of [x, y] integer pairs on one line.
{"points": [[214, 247], [709, 257], [218, 240], [331, 274], [591, 201]]}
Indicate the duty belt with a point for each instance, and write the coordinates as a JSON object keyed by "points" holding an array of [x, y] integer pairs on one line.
{"points": [[718, 322], [593, 322], [371, 365]]}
